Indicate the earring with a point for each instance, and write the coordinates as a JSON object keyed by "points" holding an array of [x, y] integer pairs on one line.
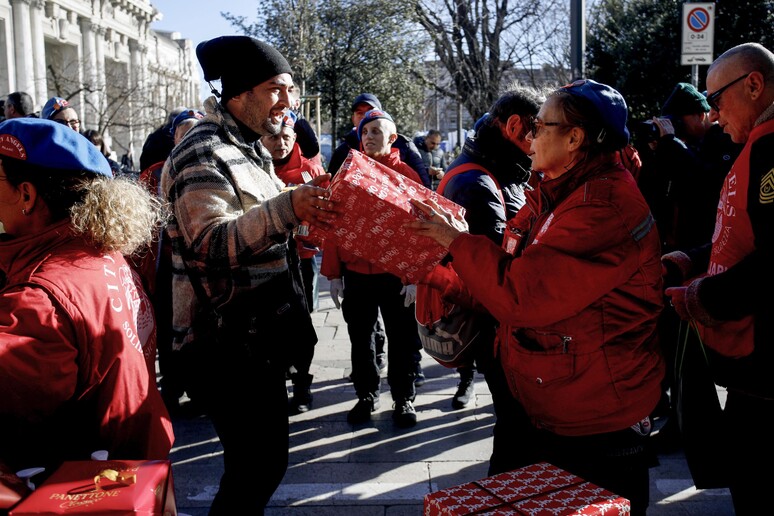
{"points": [[24, 211]]}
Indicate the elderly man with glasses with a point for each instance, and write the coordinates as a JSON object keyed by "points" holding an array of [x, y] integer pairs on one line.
{"points": [[729, 301]]}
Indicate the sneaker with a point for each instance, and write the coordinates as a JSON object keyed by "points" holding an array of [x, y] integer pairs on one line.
{"points": [[419, 379], [361, 412], [405, 415], [464, 393]]}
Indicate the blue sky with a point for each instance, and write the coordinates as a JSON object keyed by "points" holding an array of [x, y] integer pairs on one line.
{"points": [[199, 20]]}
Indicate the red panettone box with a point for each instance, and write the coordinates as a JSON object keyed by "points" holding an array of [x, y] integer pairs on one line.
{"points": [[536, 490], [107, 488], [373, 201]]}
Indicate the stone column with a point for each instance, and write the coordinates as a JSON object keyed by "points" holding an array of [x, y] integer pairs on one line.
{"points": [[138, 78], [99, 51], [89, 112], [23, 48], [40, 96]]}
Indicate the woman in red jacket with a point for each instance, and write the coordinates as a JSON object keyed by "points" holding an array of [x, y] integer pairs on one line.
{"points": [[576, 289], [77, 333]]}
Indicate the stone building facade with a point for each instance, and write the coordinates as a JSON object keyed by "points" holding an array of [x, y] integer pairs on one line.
{"points": [[121, 76]]}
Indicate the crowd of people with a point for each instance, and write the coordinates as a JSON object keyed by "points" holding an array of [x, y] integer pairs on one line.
{"points": [[578, 256], [19, 104]]}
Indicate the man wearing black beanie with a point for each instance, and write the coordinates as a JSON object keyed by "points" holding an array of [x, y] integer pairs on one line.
{"points": [[238, 304]]}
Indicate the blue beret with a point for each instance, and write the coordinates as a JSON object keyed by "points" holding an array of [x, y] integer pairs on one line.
{"points": [[47, 144], [183, 116], [53, 106], [370, 116], [610, 107]]}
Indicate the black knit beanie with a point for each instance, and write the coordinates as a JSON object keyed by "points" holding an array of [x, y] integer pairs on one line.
{"points": [[240, 62]]}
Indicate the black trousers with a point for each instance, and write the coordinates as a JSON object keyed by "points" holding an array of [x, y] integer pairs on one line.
{"points": [[617, 461], [749, 421], [236, 386], [310, 272], [364, 296]]}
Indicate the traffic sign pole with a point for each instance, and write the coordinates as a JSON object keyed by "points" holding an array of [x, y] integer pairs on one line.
{"points": [[698, 36]]}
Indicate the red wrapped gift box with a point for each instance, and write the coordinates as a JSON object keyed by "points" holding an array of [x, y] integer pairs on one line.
{"points": [[539, 489], [374, 200], [109, 488]]}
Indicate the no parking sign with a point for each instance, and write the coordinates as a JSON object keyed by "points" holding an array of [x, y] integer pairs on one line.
{"points": [[698, 33]]}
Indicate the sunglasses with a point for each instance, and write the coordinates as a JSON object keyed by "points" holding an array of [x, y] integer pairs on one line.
{"points": [[713, 99]]}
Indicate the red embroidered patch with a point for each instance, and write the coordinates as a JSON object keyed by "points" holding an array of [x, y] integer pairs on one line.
{"points": [[11, 146]]}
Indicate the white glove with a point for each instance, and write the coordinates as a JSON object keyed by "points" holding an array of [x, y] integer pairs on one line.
{"points": [[337, 291], [411, 294]]}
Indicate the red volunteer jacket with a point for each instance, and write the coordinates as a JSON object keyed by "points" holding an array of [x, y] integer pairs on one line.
{"points": [[577, 290], [77, 337], [290, 173]]}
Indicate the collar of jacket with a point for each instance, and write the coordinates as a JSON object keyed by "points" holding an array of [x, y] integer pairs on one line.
{"points": [[18, 253], [502, 158], [551, 192], [767, 115]]}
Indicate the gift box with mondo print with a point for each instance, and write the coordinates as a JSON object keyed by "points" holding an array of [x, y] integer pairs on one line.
{"points": [[538, 490], [373, 201], [107, 488]]}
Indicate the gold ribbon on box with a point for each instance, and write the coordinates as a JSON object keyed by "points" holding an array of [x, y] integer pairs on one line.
{"points": [[125, 478]]}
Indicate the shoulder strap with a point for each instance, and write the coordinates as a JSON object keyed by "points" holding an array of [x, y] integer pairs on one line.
{"points": [[464, 168]]}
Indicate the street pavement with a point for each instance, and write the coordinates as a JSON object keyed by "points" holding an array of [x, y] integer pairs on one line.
{"points": [[377, 469]]}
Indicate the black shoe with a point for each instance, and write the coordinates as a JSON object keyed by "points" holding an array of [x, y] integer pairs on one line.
{"points": [[464, 393], [405, 415], [361, 412], [192, 409], [301, 402], [172, 403], [419, 379]]}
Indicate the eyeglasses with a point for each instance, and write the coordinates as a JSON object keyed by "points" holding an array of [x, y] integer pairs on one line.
{"points": [[72, 123], [713, 99], [535, 124]]}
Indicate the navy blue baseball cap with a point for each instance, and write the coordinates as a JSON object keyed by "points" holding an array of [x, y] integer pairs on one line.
{"points": [[367, 98], [50, 145], [610, 107]]}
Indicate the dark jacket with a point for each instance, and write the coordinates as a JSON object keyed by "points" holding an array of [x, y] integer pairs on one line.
{"points": [[432, 158], [157, 146], [409, 154], [476, 191], [306, 138], [682, 186]]}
